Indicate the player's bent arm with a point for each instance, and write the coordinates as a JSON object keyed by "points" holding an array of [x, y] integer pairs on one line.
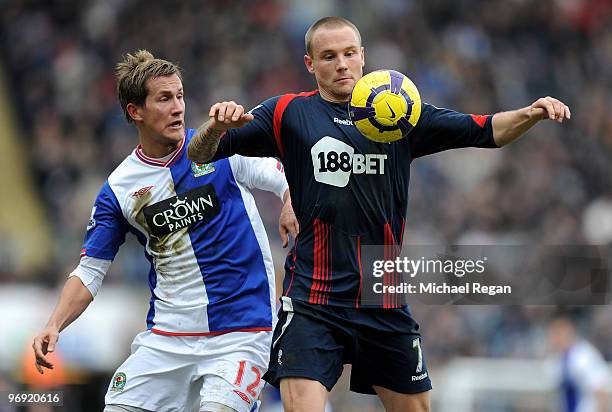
{"points": [[262, 173], [223, 116], [509, 126], [204, 144]]}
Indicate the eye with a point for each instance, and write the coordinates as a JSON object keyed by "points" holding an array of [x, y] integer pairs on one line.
{"points": [[163, 98], [180, 96]]}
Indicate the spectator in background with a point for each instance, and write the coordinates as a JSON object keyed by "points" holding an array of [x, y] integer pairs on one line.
{"points": [[582, 373]]}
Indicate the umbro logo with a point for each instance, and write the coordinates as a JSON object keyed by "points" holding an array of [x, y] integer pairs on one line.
{"points": [[343, 122], [141, 192]]}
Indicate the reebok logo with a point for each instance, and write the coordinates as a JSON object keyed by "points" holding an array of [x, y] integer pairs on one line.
{"points": [[419, 377], [343, 122]]}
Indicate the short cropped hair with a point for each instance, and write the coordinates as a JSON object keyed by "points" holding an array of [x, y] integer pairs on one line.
{"points": [[132, 75], [330, 22]]}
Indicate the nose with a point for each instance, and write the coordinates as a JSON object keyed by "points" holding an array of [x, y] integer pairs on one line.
{"points": [[341, 64], [178, 106]]}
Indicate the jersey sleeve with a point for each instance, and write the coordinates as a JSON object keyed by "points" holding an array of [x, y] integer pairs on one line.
{"points": [[256, 138], [91, 271], [443, 129], [260, 173], [107, 227]]}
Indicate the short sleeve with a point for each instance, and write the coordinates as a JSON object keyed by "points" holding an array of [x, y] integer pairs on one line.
{"points": [[261, 173], [256, 138], [443, 129], [106, 228]]}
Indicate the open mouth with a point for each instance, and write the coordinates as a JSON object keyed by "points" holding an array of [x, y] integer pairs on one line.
{"points": [[176, 124]]}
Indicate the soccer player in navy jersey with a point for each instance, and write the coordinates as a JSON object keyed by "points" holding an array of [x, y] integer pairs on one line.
{"points": [[346, 191], [212, 310]]}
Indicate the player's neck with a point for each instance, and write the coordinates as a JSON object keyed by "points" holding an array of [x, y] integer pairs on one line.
{"points": [[332, 98], [157, 150]]}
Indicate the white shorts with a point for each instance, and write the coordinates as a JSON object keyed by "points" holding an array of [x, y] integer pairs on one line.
{"points": [[187, 373]]}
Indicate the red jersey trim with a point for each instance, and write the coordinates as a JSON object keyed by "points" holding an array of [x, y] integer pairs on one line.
{"points": [[281, 105], [322, 274], [390, 300], [480, 119], [221, 332], [155, 162]]}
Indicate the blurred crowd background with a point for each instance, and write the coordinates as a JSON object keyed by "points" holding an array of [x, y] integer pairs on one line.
{"points": [[552, 187]]}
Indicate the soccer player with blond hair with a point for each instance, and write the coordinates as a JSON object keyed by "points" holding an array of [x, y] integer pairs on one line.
{"points": [[211, 316]]}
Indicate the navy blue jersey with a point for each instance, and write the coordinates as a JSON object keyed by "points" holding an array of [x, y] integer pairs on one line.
{"points": [[346, 190]]}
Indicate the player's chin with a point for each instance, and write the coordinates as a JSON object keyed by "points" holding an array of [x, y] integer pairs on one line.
{"points": [[344, 90], [175, 134]]}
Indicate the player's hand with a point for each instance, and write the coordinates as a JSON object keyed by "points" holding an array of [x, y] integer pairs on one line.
{"points": [[287, 222], [550, 108], [228, 115], [44, 343]]}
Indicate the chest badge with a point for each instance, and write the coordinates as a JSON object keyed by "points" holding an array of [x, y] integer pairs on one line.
{"points": [[201, 169]]}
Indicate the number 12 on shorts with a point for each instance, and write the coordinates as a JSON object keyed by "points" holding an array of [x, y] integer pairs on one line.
{"points": [[416, 344], [252, 387]]}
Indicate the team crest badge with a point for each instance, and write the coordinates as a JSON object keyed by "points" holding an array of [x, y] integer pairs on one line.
{"points": [[119, 381], [201, 169]]}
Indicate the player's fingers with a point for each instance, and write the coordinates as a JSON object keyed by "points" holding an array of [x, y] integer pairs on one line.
{"points": [[547, 105], [39, 368], [238, 111], [213, 110], [294, 228], [559, 110], [51, 342], [37, 346], [230, 107], [283, 234], [568, 113], [544, 105]]}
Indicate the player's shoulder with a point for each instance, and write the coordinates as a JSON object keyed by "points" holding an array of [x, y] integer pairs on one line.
{"points": [[280, 102], [125, 170]]}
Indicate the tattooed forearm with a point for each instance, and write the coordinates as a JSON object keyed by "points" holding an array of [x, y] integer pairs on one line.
{"points": [[204, 144]]}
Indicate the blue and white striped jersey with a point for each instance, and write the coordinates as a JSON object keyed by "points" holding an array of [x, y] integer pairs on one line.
{"points": [[211, 268], [583, 372]]}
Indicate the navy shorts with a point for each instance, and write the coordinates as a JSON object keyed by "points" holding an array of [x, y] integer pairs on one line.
{"points": [[382, 345]]}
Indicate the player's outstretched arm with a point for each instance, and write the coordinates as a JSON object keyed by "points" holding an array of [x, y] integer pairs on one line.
{"points": [[74, 299], [223, 116], [509, 126]]}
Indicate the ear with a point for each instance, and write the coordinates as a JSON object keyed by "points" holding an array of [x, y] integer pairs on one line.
{"points": [[134, 111], [309, 64], [362, 56]]}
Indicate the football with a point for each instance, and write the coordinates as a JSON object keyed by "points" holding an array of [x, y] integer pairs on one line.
{"points": [[385, 105]]}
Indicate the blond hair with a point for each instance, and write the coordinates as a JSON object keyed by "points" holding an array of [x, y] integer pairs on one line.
{"points": [[330, 22], [132, 75]]}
